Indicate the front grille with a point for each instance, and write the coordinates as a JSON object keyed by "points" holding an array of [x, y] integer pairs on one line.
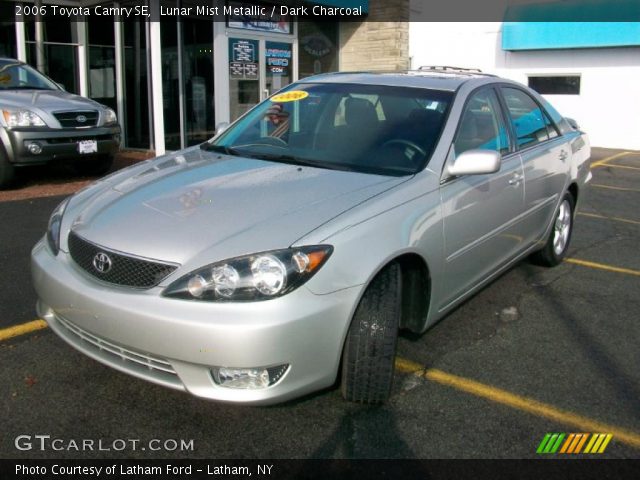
{"points": [[75, 119], [124, 269], [116, 351], [64, 140]]}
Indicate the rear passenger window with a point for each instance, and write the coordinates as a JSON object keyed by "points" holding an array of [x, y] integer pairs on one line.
{"points": [[528, 120], [481, 126]]}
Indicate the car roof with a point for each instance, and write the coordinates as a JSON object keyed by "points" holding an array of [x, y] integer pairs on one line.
{"points": [[448, 80]]}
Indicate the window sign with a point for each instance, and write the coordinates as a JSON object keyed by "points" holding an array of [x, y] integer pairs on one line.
{"points": [[243, 59], [253, 17], [278, 57]]}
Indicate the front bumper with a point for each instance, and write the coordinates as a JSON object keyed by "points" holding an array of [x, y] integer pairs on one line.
{"points": [[176, 342], [57, 144]]}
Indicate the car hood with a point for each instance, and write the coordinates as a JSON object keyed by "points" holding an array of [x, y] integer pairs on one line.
{"points": [[45, 100], [200, 206]]}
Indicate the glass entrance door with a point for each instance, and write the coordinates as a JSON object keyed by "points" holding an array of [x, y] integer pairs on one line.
{"points": [[244, 75], [257, 68]]}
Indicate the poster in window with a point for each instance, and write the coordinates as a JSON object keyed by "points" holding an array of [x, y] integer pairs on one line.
{"points": [[243, 59], [278, 57]]}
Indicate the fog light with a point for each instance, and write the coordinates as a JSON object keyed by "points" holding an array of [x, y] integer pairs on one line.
{"points": [[34, 148], [248, 378]]}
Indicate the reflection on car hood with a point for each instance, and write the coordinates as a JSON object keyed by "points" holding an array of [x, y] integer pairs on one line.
{"points": [[47, 100], [199, 205]]}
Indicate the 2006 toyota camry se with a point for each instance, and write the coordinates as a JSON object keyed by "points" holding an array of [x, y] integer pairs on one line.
{"points": [[287, 252]]}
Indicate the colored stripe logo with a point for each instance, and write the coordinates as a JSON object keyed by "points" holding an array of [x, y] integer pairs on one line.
{"points": [[574, 443]]}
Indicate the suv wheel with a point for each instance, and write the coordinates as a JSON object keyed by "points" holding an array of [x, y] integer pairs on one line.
{"points": [[370, 349], [7, 172]]}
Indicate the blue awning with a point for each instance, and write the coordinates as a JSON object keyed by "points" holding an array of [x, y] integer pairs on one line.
{"points": [[572, 24], [555, 35]]}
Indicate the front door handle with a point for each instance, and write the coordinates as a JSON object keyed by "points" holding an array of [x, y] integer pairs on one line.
{"points": [[563, 155], [515, 179]]}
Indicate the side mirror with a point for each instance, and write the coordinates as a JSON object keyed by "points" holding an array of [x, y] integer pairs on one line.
{"points": [[572, 123], [221, 127], [475, 162]]}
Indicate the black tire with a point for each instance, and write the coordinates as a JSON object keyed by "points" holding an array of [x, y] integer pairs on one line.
{"points": [[552, 253], [98, 165], [370, 348], [7, 172]]}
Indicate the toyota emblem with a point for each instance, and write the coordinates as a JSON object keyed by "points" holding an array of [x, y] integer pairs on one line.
{"points": [[102, 263], [81, 119]]}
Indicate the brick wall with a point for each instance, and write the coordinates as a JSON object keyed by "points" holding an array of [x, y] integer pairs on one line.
{"points": [[377, 44]]}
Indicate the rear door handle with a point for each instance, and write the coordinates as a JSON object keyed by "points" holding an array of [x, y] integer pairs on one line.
{"points": [[563, 155]]}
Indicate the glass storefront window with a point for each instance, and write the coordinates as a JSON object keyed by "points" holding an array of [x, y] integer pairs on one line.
{"points": [[197, 67], [7, 30], [136, 119], [102, 64], [61, 64], [318, 48], [59, 51]]}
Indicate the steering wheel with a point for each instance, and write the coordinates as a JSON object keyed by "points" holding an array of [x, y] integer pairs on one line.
{"points": [[406, 143]]}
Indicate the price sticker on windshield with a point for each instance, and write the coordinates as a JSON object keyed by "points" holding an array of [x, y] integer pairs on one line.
{"points": [[292, 96]]}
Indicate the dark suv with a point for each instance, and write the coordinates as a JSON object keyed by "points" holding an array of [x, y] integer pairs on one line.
{"points": [[41, 123]]}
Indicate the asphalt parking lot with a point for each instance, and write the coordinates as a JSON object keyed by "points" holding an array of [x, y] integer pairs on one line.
{"points": [[538, 351]]}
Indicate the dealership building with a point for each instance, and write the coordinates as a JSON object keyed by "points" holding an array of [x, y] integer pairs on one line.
{"points": [[174, 76]]}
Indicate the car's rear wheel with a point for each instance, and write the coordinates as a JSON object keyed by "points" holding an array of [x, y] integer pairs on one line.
{"points": [[94, 166], [559, 238], [370, 348], [7, 172]]}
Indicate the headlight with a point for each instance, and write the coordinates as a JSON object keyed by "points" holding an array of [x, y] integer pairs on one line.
{"points": [[22, 118], [53, 230], [110, 116], [252, 277]]}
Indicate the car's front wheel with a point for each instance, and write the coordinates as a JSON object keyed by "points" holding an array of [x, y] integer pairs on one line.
{"points": [[370, 348], [557, 243]]}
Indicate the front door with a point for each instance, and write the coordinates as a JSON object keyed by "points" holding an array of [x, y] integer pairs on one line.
{"points": [[258, 67], [481, 227]]}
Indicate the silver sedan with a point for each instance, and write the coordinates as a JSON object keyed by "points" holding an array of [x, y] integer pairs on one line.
{"points": [[288, 251]]}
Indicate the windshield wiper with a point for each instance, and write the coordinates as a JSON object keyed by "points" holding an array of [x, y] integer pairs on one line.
{"points": [[293, 160], [208, 147]]}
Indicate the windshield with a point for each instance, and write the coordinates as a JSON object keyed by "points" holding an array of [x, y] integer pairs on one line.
{"points": [[14, 76], [363, 128]]}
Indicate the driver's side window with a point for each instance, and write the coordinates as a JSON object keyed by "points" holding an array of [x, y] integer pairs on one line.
{"points": [[482, 126]]}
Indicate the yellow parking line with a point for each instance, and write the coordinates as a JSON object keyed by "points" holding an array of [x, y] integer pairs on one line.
{"points": [[21, 329], [518, 402], [604, 217], [621, 166], [611, 187], [604, 161], [602, 266]]}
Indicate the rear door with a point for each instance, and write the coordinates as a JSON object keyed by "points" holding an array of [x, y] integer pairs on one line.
{"points": [[546, 156], [480, 212]]}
